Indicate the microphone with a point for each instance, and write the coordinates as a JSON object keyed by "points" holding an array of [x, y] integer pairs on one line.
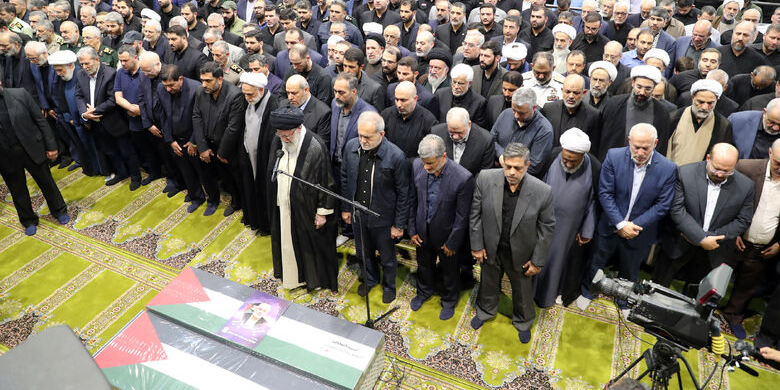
{"points": [[279, 154]]}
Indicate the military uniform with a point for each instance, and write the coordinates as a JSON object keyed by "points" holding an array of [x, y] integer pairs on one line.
{"points": [[74, 48], [55, 44], [20, 26], [545, 93], [232, 73], [108, 56]]}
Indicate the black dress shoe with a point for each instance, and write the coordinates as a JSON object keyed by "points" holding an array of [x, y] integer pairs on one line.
{"points": [[388, 296], [135, 184], [115, 180], [64, 163], [149, 179], [230, 210]]}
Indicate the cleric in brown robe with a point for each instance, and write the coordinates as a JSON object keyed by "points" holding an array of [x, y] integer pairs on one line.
{"points": [[303, 225]]}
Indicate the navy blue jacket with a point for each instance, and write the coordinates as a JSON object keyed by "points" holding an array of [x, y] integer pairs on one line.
{"points": [[181, 120], [359, 107], [46, 101], [390, 184], [148, 102]]}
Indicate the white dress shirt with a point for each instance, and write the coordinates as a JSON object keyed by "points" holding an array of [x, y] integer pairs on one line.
{"points": [[713, 192], [765, 219], [639, 177]]}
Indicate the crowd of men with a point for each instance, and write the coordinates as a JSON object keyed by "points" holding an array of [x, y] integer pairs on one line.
{"points": [[543, 143]]}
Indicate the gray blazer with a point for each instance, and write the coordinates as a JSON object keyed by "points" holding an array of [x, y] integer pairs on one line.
{"points": [[532, 225], [308, 40], [495, 84]]}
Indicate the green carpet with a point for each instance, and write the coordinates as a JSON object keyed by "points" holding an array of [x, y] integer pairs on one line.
{"points": [[122, 247]]}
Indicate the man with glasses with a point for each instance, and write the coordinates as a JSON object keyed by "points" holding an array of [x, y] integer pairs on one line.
{"points": [[699, 41], [712, 206], [618, 28]]}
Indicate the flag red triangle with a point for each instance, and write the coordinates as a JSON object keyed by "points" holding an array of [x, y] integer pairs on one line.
{"points": [[185, 288], [138, 343]]}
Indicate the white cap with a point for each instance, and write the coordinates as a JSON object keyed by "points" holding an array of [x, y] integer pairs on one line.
{"points": [[146, 12], [566, 29], [514, 51], [255, 79], [606, 65], [648, 72], [334, 39], [372, 27], [707, 85], [575, 140], [741, 3], [659, 54], [62, 57]]}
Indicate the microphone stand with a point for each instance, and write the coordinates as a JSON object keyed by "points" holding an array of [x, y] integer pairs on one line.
{"points": [[357, 208]]}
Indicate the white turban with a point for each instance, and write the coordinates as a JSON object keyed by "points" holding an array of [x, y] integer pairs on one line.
{"points": [[646, 71], [334, 39], [575, 140], [150, 14], [707, 85], [606, 65], [566, 29], [62, 57], [657, 53], [514, 51], [741, 3], [254, 79], [372, 27]]}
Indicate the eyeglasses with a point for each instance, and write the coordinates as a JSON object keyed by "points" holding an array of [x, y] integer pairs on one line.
{"points": [[719, 171]]}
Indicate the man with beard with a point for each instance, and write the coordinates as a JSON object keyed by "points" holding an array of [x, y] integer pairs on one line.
{"points": [[621, 113], [338, 13], [290, 38], [708, 60], [525, 124], [489, 74], [443, 13], [748, 15], [573, 176], [438, 69], [303, 232], [317, 114], [288, 20], [423, 46], [91, 38], [154, 40], [644, 42], [755, 131], [469, 145], [390, 58], [407, 71], [487, 17], [471, 44], [125, 8], [253, 45], [167, 11], [318, 79], [368, 89], [114, 30], [758, 82], [381, 14], [461, 95], [698, 127], [408, 26], [336, 60], [590, 41], [346, 108], [515, 54], [232, 22], [70, 37], [575, 64], [539, 35], [510, 82], [563, 35], [589, 7], [613, 52], [453, 32], [756, 103], [375, 46], [569, 112], [87, 15], [19, 26], [511, 29], [550, 18], [631, 39], [16, 71], [618, 28], [195, 27], [305, 20], [186, 58], [601, 74], [769, 48], [44, 32], [407, 122], [257, 63], [43, 74], [216, 23], [661, 39], [725, 106], [693, 46], [542, 80]]}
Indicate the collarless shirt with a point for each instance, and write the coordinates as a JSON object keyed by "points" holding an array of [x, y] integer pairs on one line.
{"points": [[508, 213], [434, 183]]}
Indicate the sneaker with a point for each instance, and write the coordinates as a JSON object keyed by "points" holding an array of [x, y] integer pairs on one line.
{"points": [[211, 208], [417, 303], [135, 184], [446, 313], [110, 177], [31, 230], [476, 323], [194, 206], [230, 210], [63, 219], [341, 240], [524, 336], [559, 300], [582, 303], [388, 296]]}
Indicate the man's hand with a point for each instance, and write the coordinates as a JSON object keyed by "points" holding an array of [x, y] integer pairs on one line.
{"points": [[416, 240], [530, 268], [396, 233], [346, 216], [710, 242], [51, 155], [223, 160], [740, 244], [319, 221], [447, 251], [155, 131], [582, 241], [176, 149], [629, 231], [770, 251], [205, 156], [134, 111], [90, 113], [479, 256], [192, 150], [51, 114], [770, 354]]}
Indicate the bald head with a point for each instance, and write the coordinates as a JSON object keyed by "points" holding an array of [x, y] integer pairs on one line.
{"points": [[405, 98], [721, 162]]}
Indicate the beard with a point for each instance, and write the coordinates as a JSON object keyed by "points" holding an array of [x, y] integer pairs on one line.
{"points": [[339, 103], [700, 113], [459, 94], [422, 53], [571, 106], [68, 75], [639, 101], [291, 146], [598, 92], [435, 81], [737, 46], [374, 61], [571, 170]]}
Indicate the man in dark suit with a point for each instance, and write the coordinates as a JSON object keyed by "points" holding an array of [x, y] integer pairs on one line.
{"points": [[512, 222], [368, 88], [345, 110], [106, 120], [16, 70], [407, 71], [407, 10], [570, 112], [466, 143], [439, 187], [217, 131], [636, 188], [27, 144], [187, 58], [317, 113], [712, 206], [489, 75], [510, 82], [454, 32], [375, 173], [381, 14], [461, 95]]}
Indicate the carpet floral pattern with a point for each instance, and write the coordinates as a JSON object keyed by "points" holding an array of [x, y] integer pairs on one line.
{"points": [[122, 247]]}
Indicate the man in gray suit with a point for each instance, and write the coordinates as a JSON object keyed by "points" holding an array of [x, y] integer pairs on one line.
{"points": [[713, 204], [512, 223]]}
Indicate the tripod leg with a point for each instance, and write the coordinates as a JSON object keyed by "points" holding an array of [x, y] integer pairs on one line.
{"points": [[629, 368]]}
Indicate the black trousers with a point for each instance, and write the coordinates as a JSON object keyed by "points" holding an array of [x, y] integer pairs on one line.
{"points": [[229, 174], [377, 239], [426, 273], [192, 174], [12, 166], [750, 272], [147, 147], [120, 152], [523, 312]]}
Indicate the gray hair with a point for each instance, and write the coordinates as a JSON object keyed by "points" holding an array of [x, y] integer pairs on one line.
{"points": [[40, 14], [149, 55], [431, 146], [372, 118], [666, 3], [474, 33], [153, 23], [222, 45], [212, 33], [645, 128], [340, 24], [115, 17], [46, 24], [462, 70], [299, 80], [178, 21], [772, 104], [94, 30], [90, 9], [36, 46], [458, 114], [718, 75], [352, 81], [215, 17], [88, 52], [63, 4], [753, 29], [37, 4], [516, 149], [523, 96], [659, 12], [339, 3]]}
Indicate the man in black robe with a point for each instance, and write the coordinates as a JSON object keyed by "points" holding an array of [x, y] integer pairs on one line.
{"points": [[303, 232]]}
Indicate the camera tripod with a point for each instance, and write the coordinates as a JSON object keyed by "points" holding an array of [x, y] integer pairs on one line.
{"points": [[662, 364]]}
